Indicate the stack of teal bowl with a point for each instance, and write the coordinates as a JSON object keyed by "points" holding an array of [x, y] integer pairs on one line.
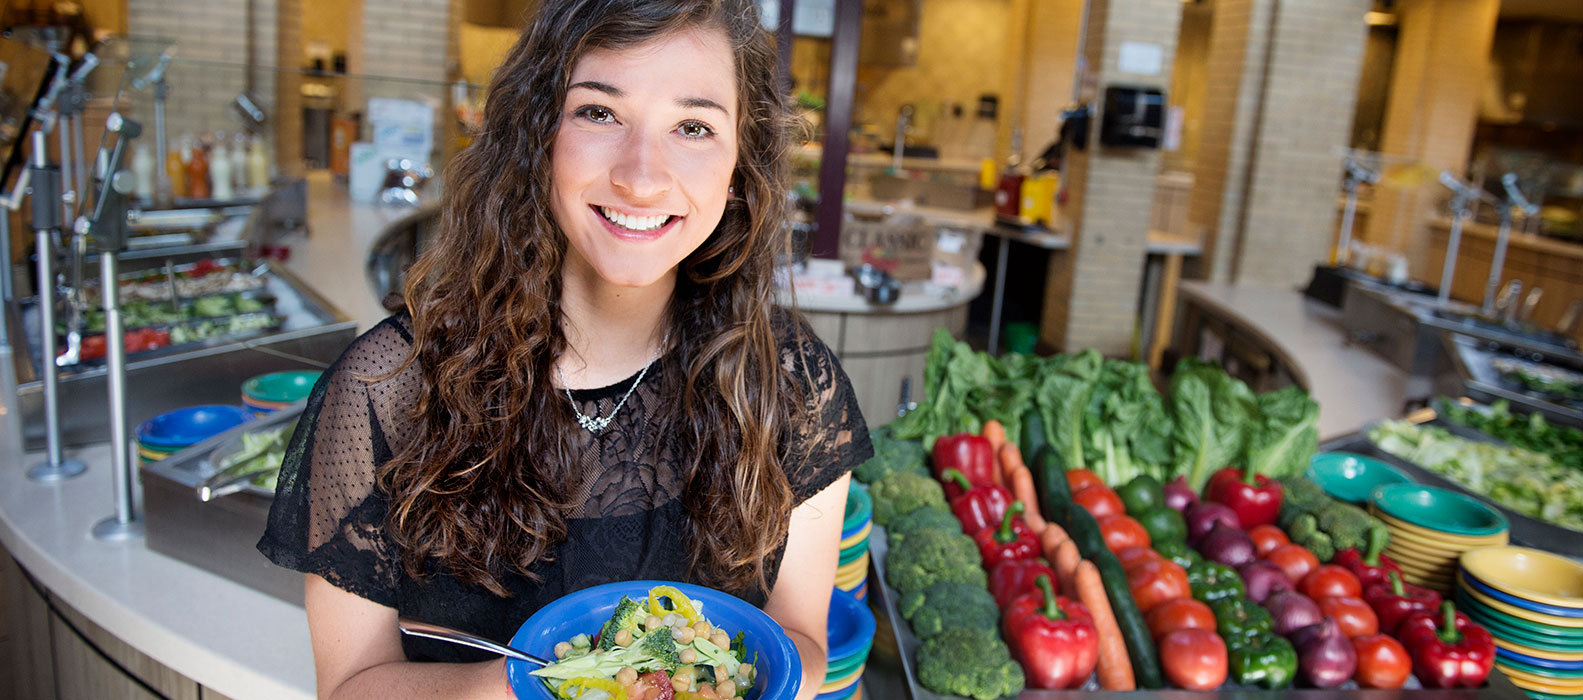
{"points": [[851, 575], [1532, 604], [1352, 477], [1432, 527], [174, 431], [850, 636], [267, 393]]}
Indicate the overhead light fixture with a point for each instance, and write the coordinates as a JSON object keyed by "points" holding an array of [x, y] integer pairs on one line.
{"points": [[1380, 19]]}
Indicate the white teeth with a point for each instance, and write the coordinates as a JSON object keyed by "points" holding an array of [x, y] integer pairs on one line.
{"points": [[634, 223]]}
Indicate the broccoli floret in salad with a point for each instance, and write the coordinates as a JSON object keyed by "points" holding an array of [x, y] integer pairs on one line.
{"points": [[628, 616]]}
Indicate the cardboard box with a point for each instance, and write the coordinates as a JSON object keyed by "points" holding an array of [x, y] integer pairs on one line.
{"points": [[900, 244]]}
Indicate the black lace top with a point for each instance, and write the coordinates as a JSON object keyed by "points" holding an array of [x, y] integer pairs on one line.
{"points": [[328, 516]]}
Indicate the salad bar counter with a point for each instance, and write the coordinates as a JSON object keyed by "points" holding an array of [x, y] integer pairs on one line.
{"points": [[1051, 525]]}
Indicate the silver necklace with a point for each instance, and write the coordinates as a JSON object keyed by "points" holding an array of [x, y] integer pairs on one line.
{"points": [[594, 424]]}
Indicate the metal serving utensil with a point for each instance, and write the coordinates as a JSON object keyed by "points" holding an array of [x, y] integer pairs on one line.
{"points": [[446, 634]]}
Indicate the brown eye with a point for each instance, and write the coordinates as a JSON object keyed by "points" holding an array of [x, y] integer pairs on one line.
{"points": [[596, 114], [696, 130]]}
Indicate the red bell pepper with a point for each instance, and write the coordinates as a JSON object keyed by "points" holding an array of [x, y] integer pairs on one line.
{"points": [[1395, 601], [977, 507], [1255, 498], [1370, 567], [1010, 579], [1448, 649], [1053, 637], [1009, 541], [973, 455]]}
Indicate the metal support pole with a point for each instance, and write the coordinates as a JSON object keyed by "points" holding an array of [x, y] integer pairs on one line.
{"points": [[1498, 263], [162, 185], [1344, 243], [46, 224], [1000, 297], [125, 524], [1448, 271], [68, 185]]}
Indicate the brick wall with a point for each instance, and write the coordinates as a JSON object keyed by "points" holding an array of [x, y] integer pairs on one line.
{"points": [[1092, 290], [1442, 54], [1278, 113], [210, 41]]}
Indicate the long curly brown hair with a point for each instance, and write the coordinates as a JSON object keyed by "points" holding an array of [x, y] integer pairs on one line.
{"points": [[484, 488]]}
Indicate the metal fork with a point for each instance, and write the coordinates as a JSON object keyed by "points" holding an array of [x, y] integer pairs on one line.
{"points": [[454, 636]]}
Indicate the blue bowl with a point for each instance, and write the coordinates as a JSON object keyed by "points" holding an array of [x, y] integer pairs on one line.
{"points": [[186, 426], [841, 694], [850, 625], [1351, 477], [779, 666], [1524, 603], [1551, 664]]}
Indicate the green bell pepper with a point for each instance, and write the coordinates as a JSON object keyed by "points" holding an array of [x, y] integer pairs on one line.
{"points": [[1179, 552], [1268, 661], [1241, 622], [1211, 582], [1141, 494], [1163, 524]]}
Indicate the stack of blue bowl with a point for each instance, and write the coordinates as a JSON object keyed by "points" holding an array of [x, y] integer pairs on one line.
{"points": [[172, 432], [1531, 601], [850, 635], [851, 574]]}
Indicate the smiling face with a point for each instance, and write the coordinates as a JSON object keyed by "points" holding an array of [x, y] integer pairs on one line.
{"points": [[644, 155]]}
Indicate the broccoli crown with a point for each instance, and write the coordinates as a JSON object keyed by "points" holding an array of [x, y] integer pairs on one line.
{"points": [[890, 454], [925, 518], [972, 662], [657, 649], [1302, 492], [1303, 526], [1347, 524], [928, 556], [628, 616], [901, 492], [1323, 547], [947, 604]]}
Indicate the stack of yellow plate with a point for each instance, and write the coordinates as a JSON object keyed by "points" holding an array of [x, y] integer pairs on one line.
{"points": [[1431, 527], [851, 574], [1532, 604]]}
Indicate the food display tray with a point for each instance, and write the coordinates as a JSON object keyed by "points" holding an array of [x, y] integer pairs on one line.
{"points": [[1471, 362], [892, 672], [221, 535], [1525, 530]]}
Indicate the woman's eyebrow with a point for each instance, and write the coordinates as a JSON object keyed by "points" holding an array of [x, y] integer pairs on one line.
{"points": [[606, 88], [702, 103], [613, 91]]}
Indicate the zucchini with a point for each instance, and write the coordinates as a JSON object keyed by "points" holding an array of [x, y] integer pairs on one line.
{"points": [[1085, 531], [1049, 477], [1140, 645], [1033, 438]]}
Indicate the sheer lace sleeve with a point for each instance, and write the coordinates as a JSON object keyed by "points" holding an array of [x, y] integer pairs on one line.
{"points": [[328, 516], [830, 437]]}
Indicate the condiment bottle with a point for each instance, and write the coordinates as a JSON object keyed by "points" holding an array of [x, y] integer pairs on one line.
{"points": [[143, 170], [198, 174], [220, 172], [176, 172], [257, 166]]}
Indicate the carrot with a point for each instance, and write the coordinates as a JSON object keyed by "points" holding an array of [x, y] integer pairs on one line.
{"points": [[995, 433], [1115, 666], [1066, 562], [1020, 480]]}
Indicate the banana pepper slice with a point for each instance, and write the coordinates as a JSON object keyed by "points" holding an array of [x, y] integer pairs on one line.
{"points": [[684, 606]]}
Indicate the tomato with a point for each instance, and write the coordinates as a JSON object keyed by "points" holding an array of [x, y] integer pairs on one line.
{"points": [[1194, 659], [1099, 501], [1329, 581], [1131, 557], [94, 347], [1382, 661], [1156, 582], [1294, 559], [654, 685], [1121, 532], [1353, 616], [1179, 614], [1266, 538], [1079, 479]]}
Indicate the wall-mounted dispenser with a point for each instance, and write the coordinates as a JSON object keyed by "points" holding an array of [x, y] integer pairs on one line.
{"points": [[1133, 117]]}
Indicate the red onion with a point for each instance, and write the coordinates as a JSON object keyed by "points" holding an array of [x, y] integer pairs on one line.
{"points": [[1263, 579], [1325, 657], [1201, 519], [1292, 611], [1228, 545], [1179, 496]]}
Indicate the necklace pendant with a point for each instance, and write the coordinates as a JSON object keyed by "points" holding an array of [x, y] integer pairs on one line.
{"points": [[592, 424]]}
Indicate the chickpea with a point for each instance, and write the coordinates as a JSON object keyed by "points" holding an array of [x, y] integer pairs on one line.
{"points": [[726, 688], [707, 690], [720, 674], [720, 639], [653, 622], [623, 638], [562, 649], [703, 628], [683, 636], [688, 656], [682, 683], [745, 671], [627, 675]]}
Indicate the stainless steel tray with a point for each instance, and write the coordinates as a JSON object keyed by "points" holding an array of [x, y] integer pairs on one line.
{"points": [[220, 535], [892, 670], [1525, 530], [1470, 361]]}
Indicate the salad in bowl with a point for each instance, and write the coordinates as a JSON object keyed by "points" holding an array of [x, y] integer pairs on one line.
{"points": [[652, 640]]}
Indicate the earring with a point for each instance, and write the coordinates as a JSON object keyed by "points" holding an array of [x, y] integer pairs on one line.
{"points": [[731, 189]]}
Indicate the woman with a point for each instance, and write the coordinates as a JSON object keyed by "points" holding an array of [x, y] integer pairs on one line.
{"points": [[592, 384]]}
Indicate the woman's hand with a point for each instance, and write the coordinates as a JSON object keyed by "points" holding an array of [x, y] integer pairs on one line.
{"points": [[800, 601], [357, 654]]}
